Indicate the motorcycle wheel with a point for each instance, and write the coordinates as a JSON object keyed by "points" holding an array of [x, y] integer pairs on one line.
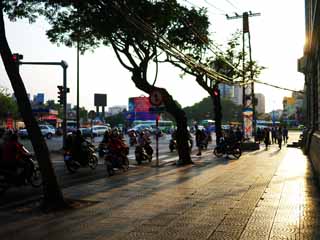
{"points": [[126, 164], [138, 158], [110, 169], [35, 180], [217, 152], [237, 153], [101, 153], [72, 168], [171, 148], [93, 162]]}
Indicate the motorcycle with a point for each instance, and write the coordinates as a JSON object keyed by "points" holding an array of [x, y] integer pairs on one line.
{"points": [[143, 153], [90, 159], [101, 149], [229, 149], [30, 174], [173, 144], [132, 138], [116, 160]]}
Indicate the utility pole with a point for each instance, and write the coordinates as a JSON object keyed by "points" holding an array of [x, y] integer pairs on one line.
{"points": [[248, 90]]}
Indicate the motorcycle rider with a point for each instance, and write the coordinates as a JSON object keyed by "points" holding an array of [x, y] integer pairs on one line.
{"points": [[78, 148], [144, 142], [14, 157], [132, 137]]}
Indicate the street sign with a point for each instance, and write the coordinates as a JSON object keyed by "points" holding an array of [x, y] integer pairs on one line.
{"points": [[156, 98]]}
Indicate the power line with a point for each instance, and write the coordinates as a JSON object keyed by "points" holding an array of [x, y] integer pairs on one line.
{"points": [[228, 1], [165, 45], [215, 7]]}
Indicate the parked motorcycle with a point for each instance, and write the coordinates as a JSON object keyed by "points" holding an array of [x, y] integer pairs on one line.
{"points": [[30, 174], [229, 149], [88, 160]]}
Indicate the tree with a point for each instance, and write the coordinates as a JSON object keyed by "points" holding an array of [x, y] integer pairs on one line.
{"points": [[8, 105], [135, 30], [53, 197], [203, 110], [226, 65]]}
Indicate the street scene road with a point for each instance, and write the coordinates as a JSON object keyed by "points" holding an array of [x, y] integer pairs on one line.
{"points": [[254, 197], [84, 175]]}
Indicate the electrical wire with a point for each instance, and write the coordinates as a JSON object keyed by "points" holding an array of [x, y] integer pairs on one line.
{"points": [[170, 49], [215, 7], [229, 1]]}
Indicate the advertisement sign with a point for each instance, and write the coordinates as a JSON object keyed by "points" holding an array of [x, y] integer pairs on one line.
{"points": [[138, 109], [248, 119], [9, 123]]}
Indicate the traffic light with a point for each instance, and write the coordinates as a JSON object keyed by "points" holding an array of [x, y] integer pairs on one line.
{"points": [[17, 57], [60, 95]]}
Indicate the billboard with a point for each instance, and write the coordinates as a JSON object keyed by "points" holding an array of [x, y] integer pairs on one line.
{"points": [[100, 99], [139, 109], [247, 120]]}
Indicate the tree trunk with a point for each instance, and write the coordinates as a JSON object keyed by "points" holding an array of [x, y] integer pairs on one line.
{"points": [[178, 114], [217, 109], [53, 197]]}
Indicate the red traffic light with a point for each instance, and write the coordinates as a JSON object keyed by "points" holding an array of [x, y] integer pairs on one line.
{"points": [[17, 57], [216, 92]]}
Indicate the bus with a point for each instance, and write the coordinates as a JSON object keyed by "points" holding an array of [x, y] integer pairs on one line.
{"points": [[265, 124], [164, 125], [208, 124]]}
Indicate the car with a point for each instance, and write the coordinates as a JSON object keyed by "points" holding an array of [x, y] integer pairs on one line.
{"points": [[47, 130], [99, 130], [86, 132]]}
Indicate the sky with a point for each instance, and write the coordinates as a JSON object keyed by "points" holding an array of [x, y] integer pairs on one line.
{"points": [[277, 39]]}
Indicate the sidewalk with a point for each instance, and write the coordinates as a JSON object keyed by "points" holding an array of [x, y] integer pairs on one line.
{"points": [[263, 195]]}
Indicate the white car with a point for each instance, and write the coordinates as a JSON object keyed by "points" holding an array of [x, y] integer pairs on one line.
{"points": [[99, 130], [47, 130]]}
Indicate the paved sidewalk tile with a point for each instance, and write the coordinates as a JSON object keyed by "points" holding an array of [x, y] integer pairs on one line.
{"points": [[263, 195]]}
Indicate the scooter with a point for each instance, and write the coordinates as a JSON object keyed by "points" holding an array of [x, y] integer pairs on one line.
{"points": [[30, 174], [172, 145], [116, 160], [143, 153], [228, 149], [91, 159]]}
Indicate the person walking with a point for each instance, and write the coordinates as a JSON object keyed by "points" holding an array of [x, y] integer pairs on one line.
{"points": [[274, 135], [266, 137], [285, 134], [279, 136], [199, 139]]}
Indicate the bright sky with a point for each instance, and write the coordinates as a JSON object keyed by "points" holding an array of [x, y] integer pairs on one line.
{"points": [[277, 42]]}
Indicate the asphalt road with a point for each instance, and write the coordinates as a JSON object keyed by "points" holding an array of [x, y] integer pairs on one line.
{"points": [[15, 195]]}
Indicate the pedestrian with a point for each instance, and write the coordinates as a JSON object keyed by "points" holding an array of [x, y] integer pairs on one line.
{"points": [[199, 139], [266, 137], [274, 135], [258, 136], [279, 136], [285, 134]]}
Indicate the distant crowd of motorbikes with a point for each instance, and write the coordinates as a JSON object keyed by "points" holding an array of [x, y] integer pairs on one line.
{"points": [[18, 168]]}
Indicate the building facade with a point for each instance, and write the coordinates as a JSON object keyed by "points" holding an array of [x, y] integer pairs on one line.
{"points": [[309, 64]]}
